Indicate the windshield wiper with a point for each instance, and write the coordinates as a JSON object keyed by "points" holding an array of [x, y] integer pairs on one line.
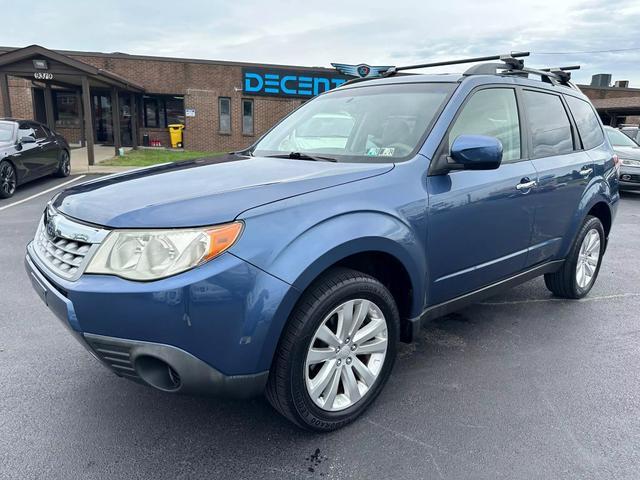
{"points": [[305, 156]]}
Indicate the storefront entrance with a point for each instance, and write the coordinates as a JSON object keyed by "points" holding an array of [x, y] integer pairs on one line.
{"points": [[103, 120]]}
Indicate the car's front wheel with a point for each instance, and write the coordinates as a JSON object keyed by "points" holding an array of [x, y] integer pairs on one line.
{"points": [[580, 270], [336, 352], [8, 179]]}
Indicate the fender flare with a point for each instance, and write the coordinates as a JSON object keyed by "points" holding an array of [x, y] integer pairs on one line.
{"points": [[597, 192], [361, 232]]}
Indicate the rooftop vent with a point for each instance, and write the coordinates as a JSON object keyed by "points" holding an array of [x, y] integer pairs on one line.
{"points": [[621, 84]]}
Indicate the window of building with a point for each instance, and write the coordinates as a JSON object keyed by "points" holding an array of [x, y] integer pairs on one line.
{"points": [[163, 110], [174, 107], [224, 114], [247, 116], [66, 108], [548, 123], [586, 121], [492, 112]]}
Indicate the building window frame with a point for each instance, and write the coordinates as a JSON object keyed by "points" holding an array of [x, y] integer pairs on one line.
{"points": [[159, 107], [248, 131], [227, 130]]}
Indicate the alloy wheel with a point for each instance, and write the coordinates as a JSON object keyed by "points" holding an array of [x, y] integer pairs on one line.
{"points": [[65, 164], [7, 179], [346, 355], [588, 258]]}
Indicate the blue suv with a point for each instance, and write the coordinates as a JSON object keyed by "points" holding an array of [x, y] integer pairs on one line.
{"points": [[295, 267]]}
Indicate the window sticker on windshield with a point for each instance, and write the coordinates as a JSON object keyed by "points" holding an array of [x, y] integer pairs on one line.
{"points": [[380, 152]]}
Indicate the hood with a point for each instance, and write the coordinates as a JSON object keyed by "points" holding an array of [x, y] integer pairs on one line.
{"points": [[632, 153], [201, 192]]}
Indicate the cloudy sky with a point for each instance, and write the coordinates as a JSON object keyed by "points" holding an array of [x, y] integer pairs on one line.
{"points": [[320, 32]]}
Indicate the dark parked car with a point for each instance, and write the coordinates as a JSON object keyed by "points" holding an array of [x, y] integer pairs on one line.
{"points": [[29, 150], [295, 267], [628, 152]]}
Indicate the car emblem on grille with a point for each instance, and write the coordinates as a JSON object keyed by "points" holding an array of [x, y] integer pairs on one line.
{"points": [[50, 224]]}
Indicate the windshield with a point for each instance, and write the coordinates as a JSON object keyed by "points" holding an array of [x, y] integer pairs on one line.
{"points": [[6, 132], [365, 124], [619, 139]]}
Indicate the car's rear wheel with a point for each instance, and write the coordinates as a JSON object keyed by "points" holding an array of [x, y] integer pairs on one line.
{"points": [[336, 352], [8, 179], [580, 270], [64, 164]]}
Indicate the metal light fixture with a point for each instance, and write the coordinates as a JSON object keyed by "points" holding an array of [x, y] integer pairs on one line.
{"points": [[40, 64]]}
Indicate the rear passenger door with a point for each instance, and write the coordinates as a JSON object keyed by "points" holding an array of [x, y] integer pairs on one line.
{"points": [[564, 170]]}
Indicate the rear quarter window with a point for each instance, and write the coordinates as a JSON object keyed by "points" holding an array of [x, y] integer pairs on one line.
{"points": [[587, 122]]}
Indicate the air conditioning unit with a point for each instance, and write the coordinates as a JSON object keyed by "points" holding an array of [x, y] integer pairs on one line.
{"points": [[621, 84], [601, 80]]}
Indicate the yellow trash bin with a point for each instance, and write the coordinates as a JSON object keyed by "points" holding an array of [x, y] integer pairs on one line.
{"points": [[175, 132]]}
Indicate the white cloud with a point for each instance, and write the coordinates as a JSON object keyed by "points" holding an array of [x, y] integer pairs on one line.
{"points": [[317, 33]]}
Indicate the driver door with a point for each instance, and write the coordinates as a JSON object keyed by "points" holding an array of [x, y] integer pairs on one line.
{"points": [[480, 221], [29, 155]]}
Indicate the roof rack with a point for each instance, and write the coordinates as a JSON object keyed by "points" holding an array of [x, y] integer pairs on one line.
{"points": [[512, 57], [510, 64]]}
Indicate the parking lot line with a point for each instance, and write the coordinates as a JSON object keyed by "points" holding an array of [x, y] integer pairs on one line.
{"points": [[42, 193]]}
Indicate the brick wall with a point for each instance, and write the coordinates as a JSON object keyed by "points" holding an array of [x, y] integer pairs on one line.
{"points": [[20, 98], [594, 92], [201, 84]]}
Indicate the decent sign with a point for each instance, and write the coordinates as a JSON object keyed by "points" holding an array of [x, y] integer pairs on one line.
{"points": [[288, 83]]}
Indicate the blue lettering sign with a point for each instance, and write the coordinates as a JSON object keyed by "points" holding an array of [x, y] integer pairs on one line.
{"points": [[255, 87], [289, 83]]}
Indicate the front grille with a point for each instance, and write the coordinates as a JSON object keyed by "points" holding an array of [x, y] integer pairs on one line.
{"points": [[65, 257], [632, 177], [116, 356], [65, 246]]}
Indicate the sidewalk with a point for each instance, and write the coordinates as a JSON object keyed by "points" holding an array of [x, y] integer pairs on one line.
{"points": [[80, 161]]}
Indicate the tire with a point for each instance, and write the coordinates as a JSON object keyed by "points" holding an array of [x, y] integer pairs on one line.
{"points": [[8, 179], [289, 385], [567, 282], [64, 164]]}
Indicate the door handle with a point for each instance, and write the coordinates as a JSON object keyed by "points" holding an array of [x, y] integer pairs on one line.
{"points": [[585, 172], [526, 184]]}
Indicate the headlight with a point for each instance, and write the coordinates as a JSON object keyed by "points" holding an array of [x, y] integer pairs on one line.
{"points": [[155, 254], [630, 163]]}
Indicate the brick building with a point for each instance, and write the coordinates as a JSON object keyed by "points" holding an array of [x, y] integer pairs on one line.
{"points": [[223, 105], [616, 104]]}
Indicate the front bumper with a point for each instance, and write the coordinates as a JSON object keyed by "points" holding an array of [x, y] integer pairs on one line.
{"points": [[212, 330], [629, 178]]}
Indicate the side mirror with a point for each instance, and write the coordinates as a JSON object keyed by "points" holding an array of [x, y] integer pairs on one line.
{"points": [[475, 152], [27, 139]]}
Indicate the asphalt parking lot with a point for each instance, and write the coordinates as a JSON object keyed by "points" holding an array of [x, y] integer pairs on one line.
{"points": [[520, 386]]}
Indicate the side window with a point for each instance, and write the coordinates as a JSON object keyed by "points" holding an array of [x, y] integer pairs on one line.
{"points": [[586, 121], [40, 132], [549, 125], [492, 112], [25, 130]]}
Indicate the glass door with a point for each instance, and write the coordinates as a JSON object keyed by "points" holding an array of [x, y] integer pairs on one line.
{"points": [[125, 119], [102, 121]]}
